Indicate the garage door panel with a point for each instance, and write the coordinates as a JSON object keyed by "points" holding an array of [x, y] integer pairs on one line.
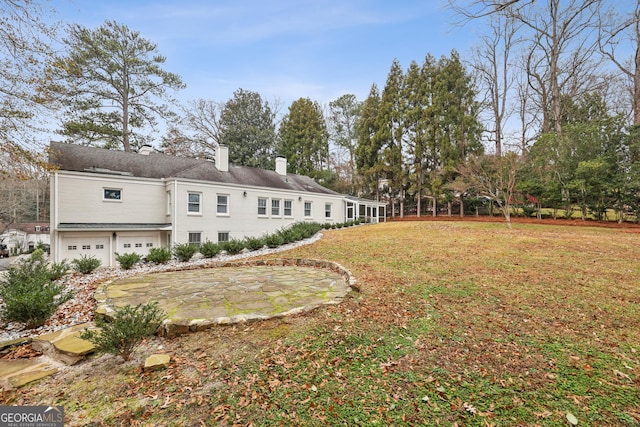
{"points": [[76, 247], [137, 244]]}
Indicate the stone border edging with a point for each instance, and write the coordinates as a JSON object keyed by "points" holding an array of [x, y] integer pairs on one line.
{"points": [[172, 328]]}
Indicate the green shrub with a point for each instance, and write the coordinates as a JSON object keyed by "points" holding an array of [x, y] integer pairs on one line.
{"points": [[254, 243], [209, 249], [85, 264], [159, 255], [274, 240], [291, 235], [184, 251], [310, 228], [128, 260], [29, 293], [127, 329], [57, 270], [233, 246], [529, 211]]}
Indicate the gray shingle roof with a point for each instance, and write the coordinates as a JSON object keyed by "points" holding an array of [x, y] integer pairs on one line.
{"points": [[72, 157]]}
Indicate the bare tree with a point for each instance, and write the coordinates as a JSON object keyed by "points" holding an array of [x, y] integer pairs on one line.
{"points": [[493, 176], [197, 133], [614, 32], [492, 63], [23, 50], [560, 36]]}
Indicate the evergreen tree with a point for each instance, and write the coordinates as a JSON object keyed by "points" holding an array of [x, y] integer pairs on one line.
{"points": [[389, 135], [304, 139], [111, 82], [368, 151], [247, 127], [345, 113]]}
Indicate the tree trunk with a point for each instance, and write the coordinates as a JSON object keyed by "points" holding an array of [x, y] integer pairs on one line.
{"points": [[636, 80]]}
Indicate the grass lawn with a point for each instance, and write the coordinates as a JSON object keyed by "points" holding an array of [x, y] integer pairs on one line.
{"points": [[457, 323]]}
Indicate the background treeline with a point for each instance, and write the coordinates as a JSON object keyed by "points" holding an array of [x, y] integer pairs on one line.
{"points": [[541, 113]]}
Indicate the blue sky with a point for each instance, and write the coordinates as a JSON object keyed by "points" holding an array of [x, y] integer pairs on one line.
{"points": [[285, 49]]}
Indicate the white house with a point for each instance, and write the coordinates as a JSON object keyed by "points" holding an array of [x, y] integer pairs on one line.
{"points": [[24, 237], [105, 201]]}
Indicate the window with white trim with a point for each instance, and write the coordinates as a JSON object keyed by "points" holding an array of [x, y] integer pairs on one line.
{"points": [[86, 247], [288, 208], [262, 206], [72, 247], [223, 236], [112, 194], [99, 246], [194, 203], [127, 245], [222, 207], [327, 210], [307, 209], [149, 245], [275, 207], [195, 238]]}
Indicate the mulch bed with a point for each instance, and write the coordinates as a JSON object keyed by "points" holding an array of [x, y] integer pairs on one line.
{"points": [[522, 220]]}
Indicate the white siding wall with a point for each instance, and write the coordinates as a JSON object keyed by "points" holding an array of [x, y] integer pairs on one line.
{"points": [[80, 199], [242, 219]]}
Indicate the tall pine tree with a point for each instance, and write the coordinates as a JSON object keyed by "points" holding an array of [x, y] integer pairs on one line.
{"points": [[368, 151], [304, 138]]}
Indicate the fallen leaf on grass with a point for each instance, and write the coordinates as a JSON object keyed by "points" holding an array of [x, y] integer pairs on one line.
{"points": [[469, 408], [621, 374], [572, 419]]}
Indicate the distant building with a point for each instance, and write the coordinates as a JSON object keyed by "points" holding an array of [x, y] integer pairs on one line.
{"points": [[25, 237], [105, 201]]}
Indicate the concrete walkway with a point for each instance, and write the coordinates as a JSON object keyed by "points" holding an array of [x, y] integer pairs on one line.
{"points": [[229, 293]]}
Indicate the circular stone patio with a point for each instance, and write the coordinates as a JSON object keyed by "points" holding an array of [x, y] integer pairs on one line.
{"points": [[226, 293]]}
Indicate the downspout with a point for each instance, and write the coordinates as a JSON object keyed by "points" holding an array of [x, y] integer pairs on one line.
{"points": [[56, 237], [174, 228]]}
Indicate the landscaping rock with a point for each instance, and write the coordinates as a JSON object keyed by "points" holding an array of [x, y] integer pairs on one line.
{"points": [[65, 345], [156, 362], [15, 373]]}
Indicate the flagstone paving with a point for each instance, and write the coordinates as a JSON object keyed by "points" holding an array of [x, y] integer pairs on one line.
{"points": [[194, 299], [200, 298]]}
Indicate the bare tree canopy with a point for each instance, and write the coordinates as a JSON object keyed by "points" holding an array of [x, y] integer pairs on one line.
{"points": [[560, 44], [197, 132], [23, 50], [617, 32]]}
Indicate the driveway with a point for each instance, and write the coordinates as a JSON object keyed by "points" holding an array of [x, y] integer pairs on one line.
{"points": [[4, 263]]}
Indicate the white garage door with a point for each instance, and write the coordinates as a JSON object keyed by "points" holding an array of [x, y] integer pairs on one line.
{"points": [[76, 247], [137, 244]]}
